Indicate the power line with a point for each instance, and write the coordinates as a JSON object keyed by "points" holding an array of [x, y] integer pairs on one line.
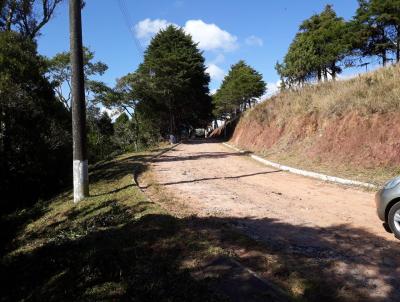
{"points": [[123, 7]]}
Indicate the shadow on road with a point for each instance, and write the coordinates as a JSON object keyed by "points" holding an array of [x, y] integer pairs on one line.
{"points": [[212, 155], [214, 178], [150, 252]]}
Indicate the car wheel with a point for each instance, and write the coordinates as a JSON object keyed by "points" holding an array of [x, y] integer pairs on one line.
{"points": [[394, 219]]}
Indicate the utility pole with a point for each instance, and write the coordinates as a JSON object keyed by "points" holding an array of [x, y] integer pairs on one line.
{"points": [[80, 163]]}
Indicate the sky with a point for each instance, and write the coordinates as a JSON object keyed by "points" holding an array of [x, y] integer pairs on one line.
{"points": [[257, 31]]}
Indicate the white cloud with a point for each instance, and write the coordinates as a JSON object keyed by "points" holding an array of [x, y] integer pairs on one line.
{"points": [[213, 91], [113, 113], [210, 36], [215, 72], [147, 28], [254, 41], [272, 89]]}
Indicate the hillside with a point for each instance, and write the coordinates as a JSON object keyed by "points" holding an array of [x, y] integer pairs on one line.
{"points": [[349, 128]]}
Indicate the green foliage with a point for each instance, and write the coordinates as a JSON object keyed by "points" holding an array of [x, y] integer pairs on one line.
{"points": [[124, 132], [325, 40], [100, 131], [26, 16], [133, 129], [376, 27], [322, 42], [35, 140], [171, 85], [59, 70], [239, 89]]}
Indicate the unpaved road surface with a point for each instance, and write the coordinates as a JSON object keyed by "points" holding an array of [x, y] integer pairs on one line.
{"points": [[320, 221]]}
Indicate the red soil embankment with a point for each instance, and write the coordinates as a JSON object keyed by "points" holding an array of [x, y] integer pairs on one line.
{"points": [[362, 141]]}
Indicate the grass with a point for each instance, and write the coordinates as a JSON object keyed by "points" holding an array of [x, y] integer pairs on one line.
{"points": [[293, 158], [373, 92], [115, 245]]}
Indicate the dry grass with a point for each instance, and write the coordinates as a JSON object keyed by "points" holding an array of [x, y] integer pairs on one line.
{"points": [[374, 175], [374, 92]]}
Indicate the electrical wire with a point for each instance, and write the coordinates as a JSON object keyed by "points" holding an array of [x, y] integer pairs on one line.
{"points": [[123, 7]]}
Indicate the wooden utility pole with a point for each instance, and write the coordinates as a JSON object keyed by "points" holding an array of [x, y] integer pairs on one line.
{"points": [[80, 163]]}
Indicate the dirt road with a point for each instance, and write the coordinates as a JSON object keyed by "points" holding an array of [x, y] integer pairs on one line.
{"points": [[334, 227]]}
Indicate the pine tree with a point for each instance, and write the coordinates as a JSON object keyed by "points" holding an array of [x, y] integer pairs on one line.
{"points": [[239, 89], [171, 84], [377, 29], [321, 43]]}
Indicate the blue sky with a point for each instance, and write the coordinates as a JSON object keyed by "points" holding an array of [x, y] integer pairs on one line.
{"points": [[257, 31]]}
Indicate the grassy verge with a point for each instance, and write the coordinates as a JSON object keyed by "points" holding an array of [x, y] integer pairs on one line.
{"points": [[115, 245], [375, 175]]}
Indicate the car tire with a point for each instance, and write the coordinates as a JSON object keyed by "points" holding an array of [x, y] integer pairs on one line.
{"points": [[393, 219]]}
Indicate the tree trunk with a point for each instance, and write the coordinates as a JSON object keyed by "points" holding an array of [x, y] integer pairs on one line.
{"points": [[6, 143], [137, 129], [171, 117], [333, 74], [384, 58], [319, 75]]}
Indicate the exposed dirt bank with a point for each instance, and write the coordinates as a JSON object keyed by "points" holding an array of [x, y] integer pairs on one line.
{"points": [[365, 147]]}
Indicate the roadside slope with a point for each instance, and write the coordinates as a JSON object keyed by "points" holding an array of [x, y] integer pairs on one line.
{"points": [[346, 128], [113, 246]]}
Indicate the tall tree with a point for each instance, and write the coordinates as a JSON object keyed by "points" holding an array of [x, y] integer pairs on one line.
{"points": [[321, 43], [59, 71], [100, 132], [239, 89], [171, 84], [26, 16], [377, 29], [35, 138]]}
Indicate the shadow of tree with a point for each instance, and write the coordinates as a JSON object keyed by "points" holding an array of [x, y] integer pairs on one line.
{"points": [[340, 263], [111, 257], [117, 257], [11, 224], [213, 155], [116, 169], [213, 178]]}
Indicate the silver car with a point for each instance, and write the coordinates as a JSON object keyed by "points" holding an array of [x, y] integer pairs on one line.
{"points": [[388, 205]]}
